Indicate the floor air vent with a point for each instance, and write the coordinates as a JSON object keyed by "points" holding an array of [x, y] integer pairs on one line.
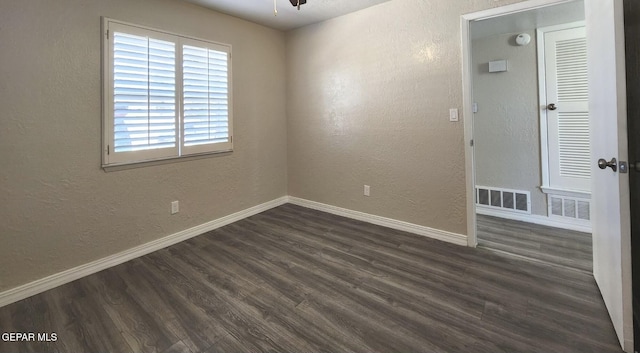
{"points": [[569, 207], [504, 199]]}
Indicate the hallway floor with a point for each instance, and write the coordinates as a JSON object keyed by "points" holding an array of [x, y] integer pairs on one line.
{"points": [[546, 244]]}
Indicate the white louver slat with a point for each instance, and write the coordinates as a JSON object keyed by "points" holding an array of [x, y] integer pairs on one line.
{"points": [[206, 93], [571, 60], [573, 143], [144, 93], [573, 127]]}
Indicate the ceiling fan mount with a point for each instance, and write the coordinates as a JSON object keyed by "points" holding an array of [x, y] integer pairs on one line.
{"points": [[297, 3]]}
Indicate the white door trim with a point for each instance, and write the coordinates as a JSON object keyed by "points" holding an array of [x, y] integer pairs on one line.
{"points": [[467, 97]]}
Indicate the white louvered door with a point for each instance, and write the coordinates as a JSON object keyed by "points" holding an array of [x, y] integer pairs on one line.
{"points": [[568, 125]]}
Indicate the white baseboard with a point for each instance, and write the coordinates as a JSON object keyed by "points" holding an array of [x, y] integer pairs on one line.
{"points": [[450, 237], [15, 294], [27, 290], [535, 219]]}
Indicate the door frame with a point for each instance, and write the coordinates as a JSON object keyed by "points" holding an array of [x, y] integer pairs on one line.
{"points": [[467, 97]]}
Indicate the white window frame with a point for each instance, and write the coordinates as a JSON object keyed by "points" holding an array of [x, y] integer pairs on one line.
{"points": [[180, 151]]}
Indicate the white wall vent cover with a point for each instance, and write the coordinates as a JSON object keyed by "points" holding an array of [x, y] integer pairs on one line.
{"points": [[504, 199], [569, 207]]}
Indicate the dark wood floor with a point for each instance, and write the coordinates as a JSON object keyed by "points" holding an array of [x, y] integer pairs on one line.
{"points": [[553, 245], [297, 280]]}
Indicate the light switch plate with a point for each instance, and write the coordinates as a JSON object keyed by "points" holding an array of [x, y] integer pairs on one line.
{"points": [[453, 114]]}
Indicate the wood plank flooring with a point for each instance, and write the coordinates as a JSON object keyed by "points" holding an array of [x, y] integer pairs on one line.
{"points": [[552, 245], [293, 279]]}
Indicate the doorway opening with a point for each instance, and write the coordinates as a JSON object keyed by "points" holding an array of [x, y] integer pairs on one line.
{"points": [[610, 192], [531, 134]]}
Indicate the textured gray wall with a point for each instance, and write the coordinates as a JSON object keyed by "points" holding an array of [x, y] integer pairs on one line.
{"points": [[59, 209], [368, 103], [507, 126]]}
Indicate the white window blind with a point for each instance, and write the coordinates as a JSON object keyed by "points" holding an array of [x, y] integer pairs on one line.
{"points": [[144, 95], [206, 96], [166, 95]]}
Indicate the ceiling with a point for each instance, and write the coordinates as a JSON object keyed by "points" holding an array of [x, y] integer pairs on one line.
{"points": [[528, 20], [261, 11]]}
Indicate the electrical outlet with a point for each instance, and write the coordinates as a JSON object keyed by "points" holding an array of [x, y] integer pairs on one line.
{"points": [[175, 207], [367, 190]]}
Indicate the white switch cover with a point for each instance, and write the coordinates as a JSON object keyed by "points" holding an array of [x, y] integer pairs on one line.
{"points": [[367, 190], [175, 207], [453, 114]]}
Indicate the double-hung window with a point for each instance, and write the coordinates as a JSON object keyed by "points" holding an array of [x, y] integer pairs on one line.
{"points": [[165, 95]]}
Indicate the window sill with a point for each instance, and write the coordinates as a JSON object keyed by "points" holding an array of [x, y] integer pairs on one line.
{"points": [[125, 166], [565, 192]]}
